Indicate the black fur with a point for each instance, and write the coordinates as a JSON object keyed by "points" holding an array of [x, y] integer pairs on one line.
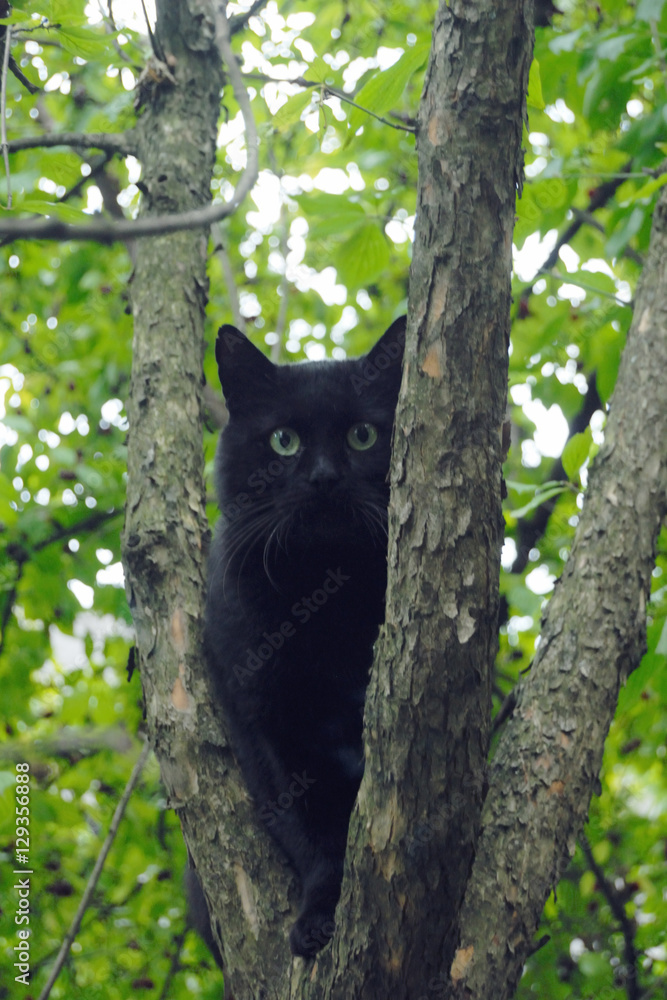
{"points": [[297, 579]]}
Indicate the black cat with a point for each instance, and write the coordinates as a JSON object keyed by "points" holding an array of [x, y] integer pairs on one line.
{"points": [[297, 579]]}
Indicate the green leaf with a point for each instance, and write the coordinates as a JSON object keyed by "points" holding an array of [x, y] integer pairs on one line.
{"points": [[567, 42], [648, 189], [290, 113], [620, 239], [661, 645], [595, 966], [84, 42], [14, 18], [534, 97], [18, 422], [331, 214], [605, 356], [7, 780], [536, 502], [42, 7], [383, 91], [320, 70], [59, 209], [649, 10], [363, 257], [575, 453]]}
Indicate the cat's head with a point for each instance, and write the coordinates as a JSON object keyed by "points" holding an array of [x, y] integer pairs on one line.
{"points": [[304, 458]]}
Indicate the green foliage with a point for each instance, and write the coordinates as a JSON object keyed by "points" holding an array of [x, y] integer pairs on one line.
{"points": [[320, 257]]}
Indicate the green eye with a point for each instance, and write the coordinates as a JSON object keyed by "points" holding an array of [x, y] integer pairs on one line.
{"points": [[361, 437], [285, 441]]}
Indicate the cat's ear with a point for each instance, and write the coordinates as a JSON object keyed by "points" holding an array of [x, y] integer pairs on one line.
{"points": [[241, 366], [388, 352], [383, 365]]}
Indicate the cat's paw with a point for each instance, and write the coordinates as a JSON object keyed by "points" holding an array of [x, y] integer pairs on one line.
{"points": [[311, 932]]}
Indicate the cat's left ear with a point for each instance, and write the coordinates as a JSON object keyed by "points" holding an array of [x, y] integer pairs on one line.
{"points": [[388, 352], [241, 365]]}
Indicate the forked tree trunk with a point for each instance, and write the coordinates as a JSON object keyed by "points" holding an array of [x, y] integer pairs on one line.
{"points": [[412, 922]]}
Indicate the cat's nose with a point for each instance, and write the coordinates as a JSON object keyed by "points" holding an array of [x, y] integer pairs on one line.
{"points": [[323, 472]]}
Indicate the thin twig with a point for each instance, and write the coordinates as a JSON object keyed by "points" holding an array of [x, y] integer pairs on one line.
{"points": [[660, 55], [156, 48], [110, 26], [21, 77], [223, 41], [97, 165], [568, 279], [80, 742], [220, 249], [68, 530], [175, 964], [123, 143], [617, 907], [599, 197], [95, 874], [334, 92], [109, 232], [239, 22], [22, 555], [8, 609], [505, 710], [283, 288], [3, 111], [328, 91]]}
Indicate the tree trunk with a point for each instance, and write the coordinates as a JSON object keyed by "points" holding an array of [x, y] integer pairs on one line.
{"points": [[414, 831], [420, 802], [166, 533], [548, 761], [412, 922]]}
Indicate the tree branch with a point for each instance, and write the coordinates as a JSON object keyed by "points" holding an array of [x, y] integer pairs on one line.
{"points": [[549, 755], [108, 232], [122, 143], [328, 91], [3, 110], [220, 249], [530, 529], [15, 69], [428, 704], [342, 96], [599, 197], [166, 532], [239, 22], [628, 927]]}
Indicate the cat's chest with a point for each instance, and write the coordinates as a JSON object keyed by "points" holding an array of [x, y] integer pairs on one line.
{"points": [[336, 596]]}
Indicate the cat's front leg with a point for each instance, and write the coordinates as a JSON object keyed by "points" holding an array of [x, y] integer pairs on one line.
{"points": [[314, 927]]}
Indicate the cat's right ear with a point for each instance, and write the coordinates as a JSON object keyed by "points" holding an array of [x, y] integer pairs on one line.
{"points": [[241, 366]]}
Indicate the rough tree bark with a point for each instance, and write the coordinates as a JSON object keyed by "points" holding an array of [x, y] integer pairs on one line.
{"points": [[428, 707], [166, 532], [401, 931], [548, 761], [470, 162]]}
